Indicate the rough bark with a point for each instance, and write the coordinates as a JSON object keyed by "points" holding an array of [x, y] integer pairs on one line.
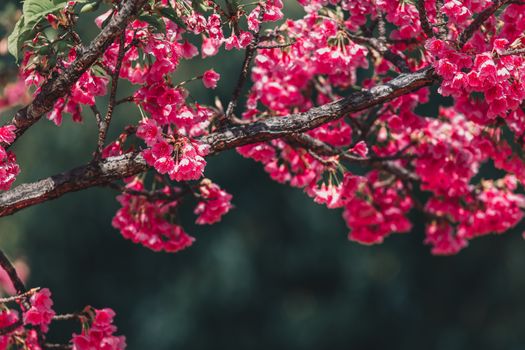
{"points": [[108, 170], [60, 84]]}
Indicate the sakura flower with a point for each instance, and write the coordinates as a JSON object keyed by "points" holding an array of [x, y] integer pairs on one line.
{"points": [[210, 78], [360, 149], [100, 336], [40, 313], [9, 169], [7, 134], [190, 164], [214, 203]]}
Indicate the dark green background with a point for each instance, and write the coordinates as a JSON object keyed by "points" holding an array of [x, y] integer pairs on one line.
{"points": [[276, 273]]}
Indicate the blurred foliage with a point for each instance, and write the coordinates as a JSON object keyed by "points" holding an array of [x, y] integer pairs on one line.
{"points": [[276, 273]]}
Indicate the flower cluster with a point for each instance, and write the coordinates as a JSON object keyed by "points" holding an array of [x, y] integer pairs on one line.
{"points": [[7, 319], [370, 224], [100, 334], [494, 208], [29, 331], [396, 148], [150, 218], [9, 168], [147, 222], [40, 313], [214, 203]]}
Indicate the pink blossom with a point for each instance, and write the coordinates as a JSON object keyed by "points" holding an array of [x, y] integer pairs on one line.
{"points": [[149, 131], [7, 318], [9, 169], [360, 149], [210, 79], [210, 47], [214, 203], [147, 222], [40, 313], [188, 50], [190, 163], [7, 134], [100, 336]]}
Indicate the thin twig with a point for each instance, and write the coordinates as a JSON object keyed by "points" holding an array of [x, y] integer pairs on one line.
{"points": [[20, 288], [249, 54], [66, 317], [423, 18], [61, 84], [9, 268], [19, 296], [478, 22], [104, 123], [382, 49], [276, 46], [96, 112], [124, 100], [441, 23], [57, 346]]}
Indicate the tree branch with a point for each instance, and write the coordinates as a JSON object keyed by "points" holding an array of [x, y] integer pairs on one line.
{"points": [[60, 84], [248, 57], [20, 288], [478, 22], [110, 169], [423, 18], [276, 127], [90, 175], [9, 268], [103, 124]]}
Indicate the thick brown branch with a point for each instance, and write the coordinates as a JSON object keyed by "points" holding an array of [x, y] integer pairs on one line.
{"points": [[94, 174], [60, 84], [107, 170], [276, 127]]}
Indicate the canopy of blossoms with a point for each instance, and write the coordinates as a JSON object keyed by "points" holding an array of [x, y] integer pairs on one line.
{"points": [[331, 108]]}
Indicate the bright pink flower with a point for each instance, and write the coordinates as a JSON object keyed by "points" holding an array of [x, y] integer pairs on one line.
{"points": [[360, 149], [210, 47], [261, 152], [443, 239], [190, 163], [9, 169], [40, 313], [7, 318], [100, 336], [188, 50], [214, 203], [210, 79], [7, 134], [149, 131], [147, 221]]}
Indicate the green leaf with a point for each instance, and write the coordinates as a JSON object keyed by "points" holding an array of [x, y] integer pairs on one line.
{"points": [[170, 14], [155, 22], [200, 6], [14, 40], [34, 11], [90, 7]]}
